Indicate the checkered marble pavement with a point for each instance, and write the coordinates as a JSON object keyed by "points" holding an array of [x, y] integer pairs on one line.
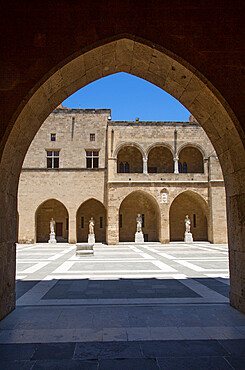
{"points": [[128, 306]]}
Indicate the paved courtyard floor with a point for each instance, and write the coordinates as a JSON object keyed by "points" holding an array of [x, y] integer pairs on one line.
{"points": [[129, 306]]}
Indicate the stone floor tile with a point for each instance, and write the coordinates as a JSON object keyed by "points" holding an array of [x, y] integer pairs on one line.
{"points": [[55, 351], [16, 365], [16, 351], [234, 347], [237, 362], [193, 363], [107, 350], [182, 348], [129, 364], [65, 365]]}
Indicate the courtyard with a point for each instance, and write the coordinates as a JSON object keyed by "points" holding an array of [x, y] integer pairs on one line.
{"points": [[128, 306]]}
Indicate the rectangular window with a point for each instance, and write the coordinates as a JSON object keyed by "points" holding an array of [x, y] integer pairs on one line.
{"points": [[53, 137], [53, 158], [194, 221], [143, 220], [67, 223], [92, 159], [101, 222], [82, 222], [92, 137], [120, 221]]}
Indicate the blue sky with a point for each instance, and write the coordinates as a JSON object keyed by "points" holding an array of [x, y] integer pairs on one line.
{"points": [[129, 97]]}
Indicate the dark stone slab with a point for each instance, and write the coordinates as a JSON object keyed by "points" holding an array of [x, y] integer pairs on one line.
{"points": [[16, 365], [59, 351], [16, 351], [237, 362], [193, 363], [107, 350], [235, 347], [122, 288], [65, 365], [216, 285], [129, 364], [22, 287], [182, 348]]}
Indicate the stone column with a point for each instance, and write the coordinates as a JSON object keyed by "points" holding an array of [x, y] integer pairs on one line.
{"points": [[205, 166], [112, 230], [176, 165], [72, 232], [164, 223], [145, 170]]}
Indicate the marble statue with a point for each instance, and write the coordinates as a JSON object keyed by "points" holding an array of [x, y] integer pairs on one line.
{"points": [[91, 226], [52, 232], [188, 235], [52, 223], [139, 237], [91, 236], [187, 224], [139, 223]]}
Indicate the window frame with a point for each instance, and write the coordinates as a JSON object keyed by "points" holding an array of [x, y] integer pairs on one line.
{"points": [[92, 157], [53, 158]]}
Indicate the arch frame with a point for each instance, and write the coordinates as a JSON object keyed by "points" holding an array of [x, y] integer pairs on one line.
{"points": [[189, 144], [132, 55], [130, 144], [160, 144]]}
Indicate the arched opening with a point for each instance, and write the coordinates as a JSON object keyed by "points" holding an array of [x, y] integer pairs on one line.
{"points": [[91, 208], [129, 160], [49, 209], [191, 160], [193, 205], [164, 69], [135, 203], [160, 160]]}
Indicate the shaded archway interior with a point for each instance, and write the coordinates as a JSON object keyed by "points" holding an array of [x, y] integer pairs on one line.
{"points": [[91, 208], [129, 160], [51, 208], [191, 204], [160, 160], [139, 202], [191, 160]]}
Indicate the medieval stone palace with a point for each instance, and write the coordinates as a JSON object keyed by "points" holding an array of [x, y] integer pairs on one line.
{"points": [[82, 165]]}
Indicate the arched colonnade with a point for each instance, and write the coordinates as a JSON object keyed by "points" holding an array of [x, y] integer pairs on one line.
{"points": [[145, 203], [159, 158]]}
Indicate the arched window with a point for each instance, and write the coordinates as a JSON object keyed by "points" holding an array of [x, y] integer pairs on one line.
{"points": [[185, 167], [121, 168], [180, 167], [127, 167]]}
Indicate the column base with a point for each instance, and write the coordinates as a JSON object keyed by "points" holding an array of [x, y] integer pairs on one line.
{"points": [[237, 302]]}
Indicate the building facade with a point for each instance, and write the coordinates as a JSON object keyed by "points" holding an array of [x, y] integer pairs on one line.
{"points": [[82, 165]]}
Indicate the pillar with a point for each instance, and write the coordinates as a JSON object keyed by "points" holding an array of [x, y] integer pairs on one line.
{"points": [[72, 232], [176, 165], [164, 223], [145, 165], [112, 230]]}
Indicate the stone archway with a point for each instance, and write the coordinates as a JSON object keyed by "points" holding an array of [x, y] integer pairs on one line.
{"points": [[156, 65], [129, 160], [191, 204], [160, 160], [91, 208], [143, 203], [191, 160], [49, 209]]}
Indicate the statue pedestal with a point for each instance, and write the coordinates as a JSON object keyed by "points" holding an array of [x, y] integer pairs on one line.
{"points": [[139, 237], [91, 238], [84, 249], [188, 237], [52, 238]]}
